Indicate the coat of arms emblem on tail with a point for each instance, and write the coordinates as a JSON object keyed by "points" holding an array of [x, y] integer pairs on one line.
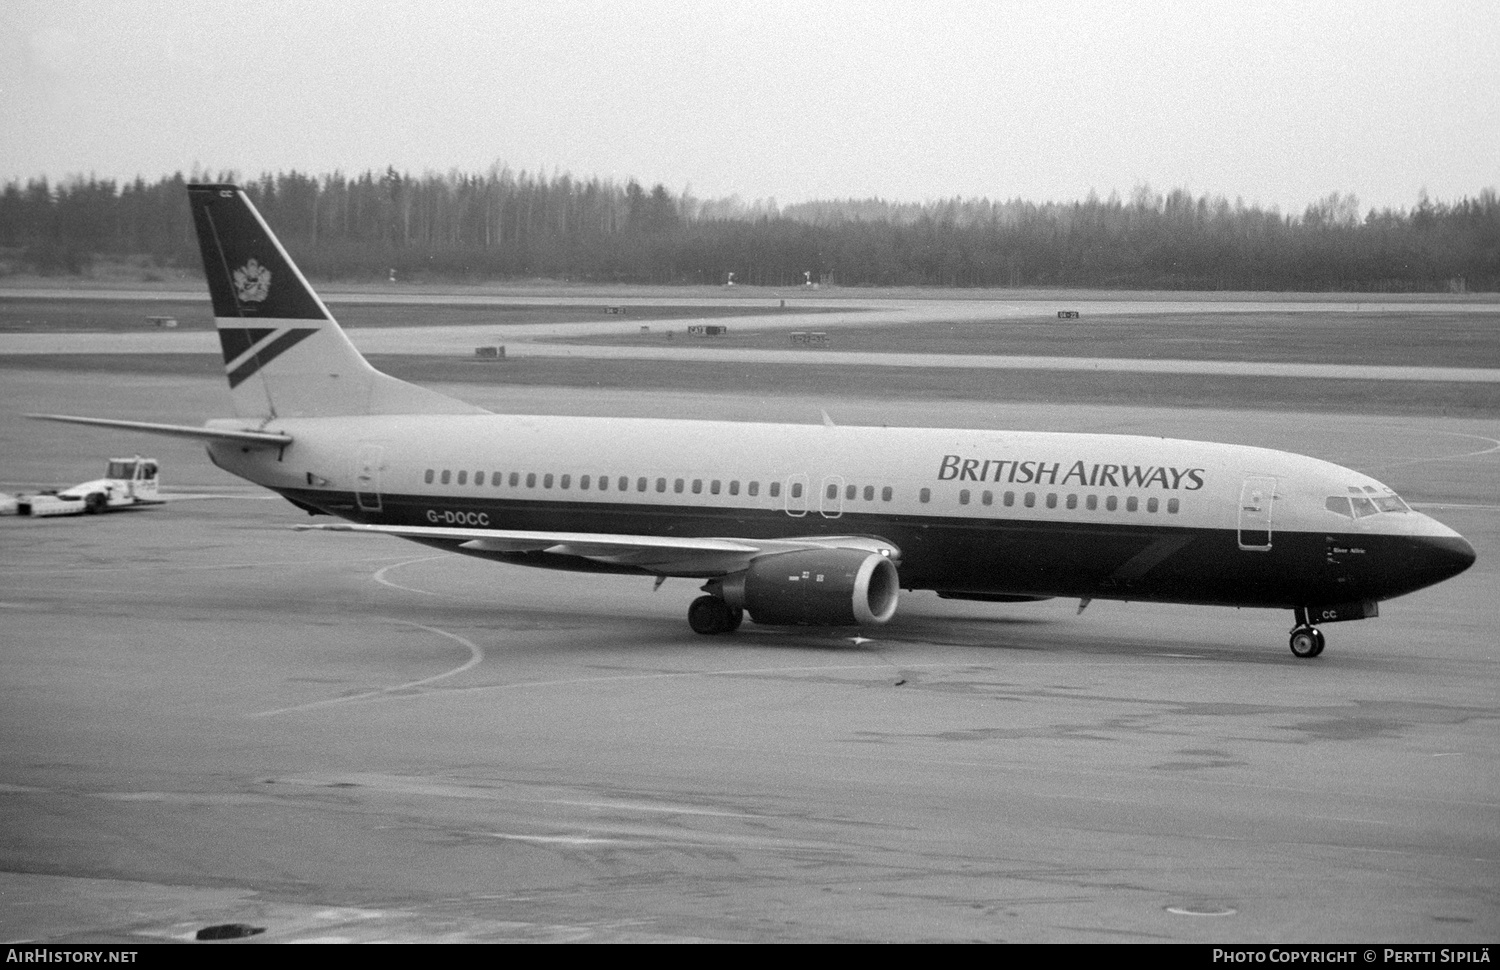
{"points": [[252, 282]]}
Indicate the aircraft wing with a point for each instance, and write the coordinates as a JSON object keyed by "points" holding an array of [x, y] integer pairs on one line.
{"points": [[664, 555]]}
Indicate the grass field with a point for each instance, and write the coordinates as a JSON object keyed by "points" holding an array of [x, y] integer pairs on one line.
{"points": [[1431, 339], [31, 315]]}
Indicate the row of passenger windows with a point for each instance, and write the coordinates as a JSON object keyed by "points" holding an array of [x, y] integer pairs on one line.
{"points": [[714, 486], [623, 483], [1069, 500]]}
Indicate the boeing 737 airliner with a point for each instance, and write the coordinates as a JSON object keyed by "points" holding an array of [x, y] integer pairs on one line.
{"points": [[792, 524]]}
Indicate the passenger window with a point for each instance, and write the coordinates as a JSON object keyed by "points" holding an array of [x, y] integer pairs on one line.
{"points": [[1010, 499], [713, 487], [885, 494], [833, 491], [1072, 501], [697, 486], [1091, 502], [1151, 505], [515, 479], [925, 495], [640, 484], [463, 478], [583, 482], [796, 489], [661, 484], [869, 493], [774, 491], [753, 489], [547, 480], [678, 485], [565, 481], [734, 487], [446, 476], [496, 478], [1111, 503], [1051, 500], [1132, 503], [429, 476], [963, 496], [531, 479], [1172, 506], [851, 492], [479, 478], [987, 497], [1031, 500]]}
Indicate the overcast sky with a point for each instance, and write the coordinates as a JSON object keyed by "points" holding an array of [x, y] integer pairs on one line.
{"points": [[1276, 103]]}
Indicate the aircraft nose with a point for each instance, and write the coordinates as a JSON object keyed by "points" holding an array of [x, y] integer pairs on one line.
{"points": [[1437, 558]]}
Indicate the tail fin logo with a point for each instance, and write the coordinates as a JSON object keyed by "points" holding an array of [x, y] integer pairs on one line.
{"points": [[247, 350], [252, 282]]}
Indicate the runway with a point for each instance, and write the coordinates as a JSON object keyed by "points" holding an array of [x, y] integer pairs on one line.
{"points": [[210, 719], [460, 341]]}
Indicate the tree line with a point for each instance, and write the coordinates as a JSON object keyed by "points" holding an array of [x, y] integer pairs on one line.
{"points": [[508, 225]]}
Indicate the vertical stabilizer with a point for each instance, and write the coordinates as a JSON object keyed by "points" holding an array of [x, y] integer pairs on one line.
{"points": [[284, 354]]}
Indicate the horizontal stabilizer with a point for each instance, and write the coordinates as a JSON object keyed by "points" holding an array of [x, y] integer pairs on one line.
{"points": [[263, 439]]}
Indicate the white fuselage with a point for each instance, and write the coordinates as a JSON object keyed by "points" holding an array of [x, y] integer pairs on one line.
{"points": [[1093, 499]]}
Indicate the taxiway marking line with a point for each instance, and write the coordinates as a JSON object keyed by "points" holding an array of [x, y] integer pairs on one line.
{"points": [[1452, 505], [1494, 446], [379, 576], [195, 567], [475, 656]]}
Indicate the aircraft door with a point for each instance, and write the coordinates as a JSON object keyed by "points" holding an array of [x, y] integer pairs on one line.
{"points": [[1257, 501], [831, 499], [367, 477]]}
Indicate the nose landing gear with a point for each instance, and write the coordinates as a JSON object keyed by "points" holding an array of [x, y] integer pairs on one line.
{"points": [[1307, 640]]}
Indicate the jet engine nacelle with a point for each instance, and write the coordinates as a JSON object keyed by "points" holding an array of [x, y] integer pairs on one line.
{"points": [[816, 587]]}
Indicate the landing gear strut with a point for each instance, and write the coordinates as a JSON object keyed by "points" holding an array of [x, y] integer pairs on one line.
{"points": [[710, 614], [1307, 640]]}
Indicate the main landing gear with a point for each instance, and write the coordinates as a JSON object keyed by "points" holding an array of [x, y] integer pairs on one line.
{"points": [[710, 614], [1307, 640]]}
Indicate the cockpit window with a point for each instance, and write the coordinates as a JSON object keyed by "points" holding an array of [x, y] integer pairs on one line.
{"points": [[1365, 501], [1339, 504]]}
